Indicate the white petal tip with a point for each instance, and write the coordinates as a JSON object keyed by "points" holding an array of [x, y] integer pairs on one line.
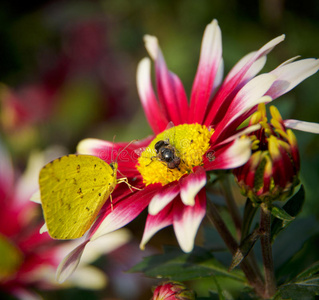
{"points": [[36, 197], [302, 126], [87, 145], [151, 45], [44, 228], [142, 247], [153, 210]]}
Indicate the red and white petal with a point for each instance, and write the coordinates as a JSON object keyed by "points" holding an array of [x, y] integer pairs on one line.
{"points": [[123, 211], [111, 152], [252, 72], [170, 90], [163, 197], [230, 156], [240, 133], [187, 220], [302, 126], [209, 64], [70, 263], [191, 185], [249, 96], [96, 147], [153, 111], [233, 82], [154, 223], [219, 76], [291, 74]]}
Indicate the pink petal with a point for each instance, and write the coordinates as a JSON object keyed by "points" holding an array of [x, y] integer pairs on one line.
{"points": [[209, 64], [235, 80], [228, 156], [249, 96], [191, 185], [303, 126], [253, 70], [123, 154], [291, 74], [154, 114], [123, 212], [170, 90], [187, 220], [163, 197], [219, 76], [70, 263], [154, 223], [240, 133], [6, 172]]}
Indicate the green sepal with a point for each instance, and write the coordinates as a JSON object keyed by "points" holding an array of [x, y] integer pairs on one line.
{"points": [[292, 207], [244, 248]]}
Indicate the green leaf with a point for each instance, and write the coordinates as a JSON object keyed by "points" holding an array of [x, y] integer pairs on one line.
{"points": [[299, 289], [244, 249], [293, 208], [176, 265], [281, 214], [313, 269], [219, 290], [249, 213]]}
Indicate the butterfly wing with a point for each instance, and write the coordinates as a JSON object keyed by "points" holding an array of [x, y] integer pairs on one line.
{"points": [[73, 190]]}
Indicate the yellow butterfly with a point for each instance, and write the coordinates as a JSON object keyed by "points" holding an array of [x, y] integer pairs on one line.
{"points": [[73, 189]]}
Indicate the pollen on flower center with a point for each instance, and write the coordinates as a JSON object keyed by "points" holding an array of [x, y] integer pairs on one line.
{"points": [[181, 148]]}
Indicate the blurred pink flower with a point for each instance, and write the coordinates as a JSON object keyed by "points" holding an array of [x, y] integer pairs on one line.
{"points": [[26, 253], [85, 56], [29, 259]]}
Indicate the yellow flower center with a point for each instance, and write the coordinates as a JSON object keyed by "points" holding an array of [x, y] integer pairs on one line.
{"points": [[173, 153]]}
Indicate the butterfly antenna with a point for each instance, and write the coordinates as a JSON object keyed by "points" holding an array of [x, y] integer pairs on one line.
{"points": [[112, 158], [131, 142]]}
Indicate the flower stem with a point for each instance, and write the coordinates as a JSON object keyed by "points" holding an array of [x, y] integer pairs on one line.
{"points": [[252, 276], [232, 206], [265, 239]]}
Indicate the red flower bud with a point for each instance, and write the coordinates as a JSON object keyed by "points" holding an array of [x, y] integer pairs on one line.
{"points": [[172, 291], [271, 173]]}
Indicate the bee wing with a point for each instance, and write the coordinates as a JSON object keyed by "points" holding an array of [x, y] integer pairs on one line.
{"points": [[140, 150], [170, 125]]}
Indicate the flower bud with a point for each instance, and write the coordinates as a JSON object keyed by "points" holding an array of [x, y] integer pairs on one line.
{"points": [[271, 173], [172, 290]]}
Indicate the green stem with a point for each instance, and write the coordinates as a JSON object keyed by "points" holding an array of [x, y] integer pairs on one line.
{"points": [[232, 206], [252, 276], [265, 239]]}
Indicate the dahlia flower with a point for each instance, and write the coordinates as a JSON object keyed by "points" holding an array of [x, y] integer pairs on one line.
{"points": [[168, 169]]}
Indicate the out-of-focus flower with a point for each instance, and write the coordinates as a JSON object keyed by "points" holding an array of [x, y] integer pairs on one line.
{"points": [[28, 259], [272, 171], [85, 63], [170, 166], [172, 291]]}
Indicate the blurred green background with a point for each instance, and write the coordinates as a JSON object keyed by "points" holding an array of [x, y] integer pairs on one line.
{"points": [[70, 67]]}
